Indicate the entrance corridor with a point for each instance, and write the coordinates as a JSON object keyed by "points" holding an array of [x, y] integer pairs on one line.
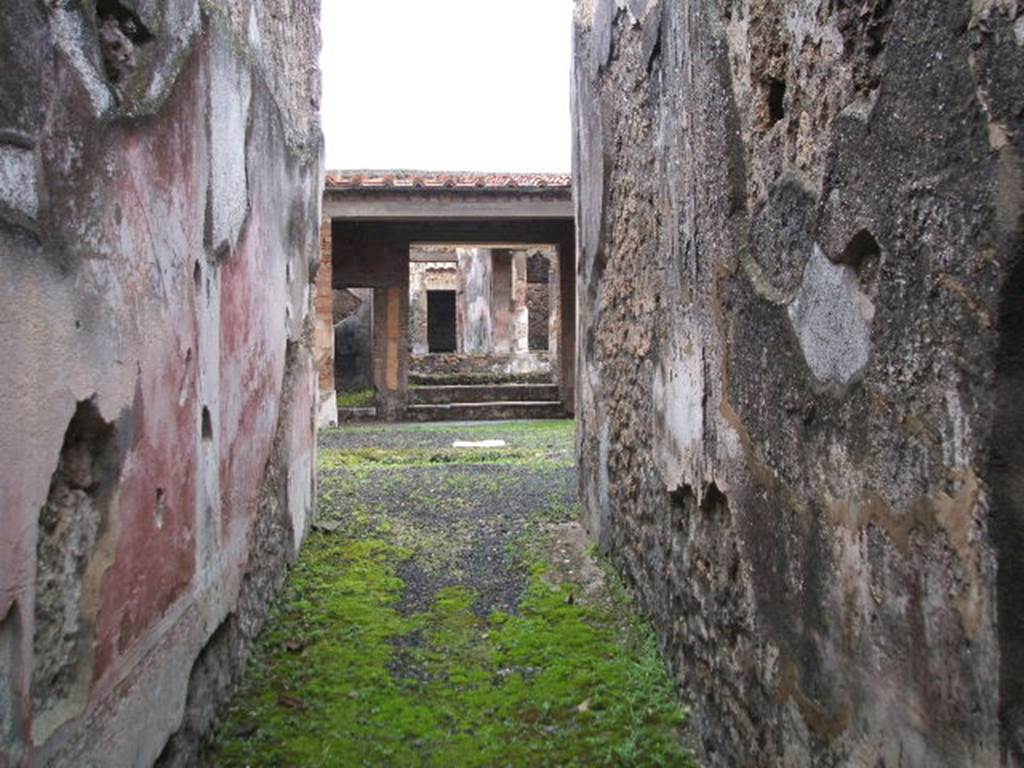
{"points": [[447, 610]]}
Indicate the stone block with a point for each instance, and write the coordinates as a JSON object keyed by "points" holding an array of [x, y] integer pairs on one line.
{"points": [[19, 183]]}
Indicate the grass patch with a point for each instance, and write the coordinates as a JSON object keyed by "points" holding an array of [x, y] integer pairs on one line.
{"points": [[363, 398], [560, 429], [349, 459]]}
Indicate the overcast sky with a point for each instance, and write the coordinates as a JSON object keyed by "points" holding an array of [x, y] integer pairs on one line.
{"points": [[474, 85]]}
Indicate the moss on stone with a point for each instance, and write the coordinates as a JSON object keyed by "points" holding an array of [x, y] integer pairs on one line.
{"points": [[362, 398]]}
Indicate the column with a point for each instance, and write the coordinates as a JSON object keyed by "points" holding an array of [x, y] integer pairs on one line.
{"points": [[520, 307], [501, 301], [323, 331], [475, 301], [554, 287], [391, 336]]}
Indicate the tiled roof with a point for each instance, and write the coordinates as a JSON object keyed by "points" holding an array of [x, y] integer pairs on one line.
{"points": [[429, 180]]}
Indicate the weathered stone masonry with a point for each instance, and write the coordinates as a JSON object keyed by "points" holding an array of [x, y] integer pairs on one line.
{"points": [[800, 378], [160, 181]]}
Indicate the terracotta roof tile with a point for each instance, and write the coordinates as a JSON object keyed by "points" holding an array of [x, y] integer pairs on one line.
{"points": [[413, 180]]}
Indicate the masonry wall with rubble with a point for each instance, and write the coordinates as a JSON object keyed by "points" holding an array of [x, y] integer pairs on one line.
{"points": [[160, 181], [800, 303]]}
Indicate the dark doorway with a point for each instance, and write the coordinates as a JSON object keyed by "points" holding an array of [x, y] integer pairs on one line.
{"points": [[538, 301], [441, 321]]}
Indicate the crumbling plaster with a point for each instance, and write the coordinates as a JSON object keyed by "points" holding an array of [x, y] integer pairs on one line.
{"points": [[159, 237]]}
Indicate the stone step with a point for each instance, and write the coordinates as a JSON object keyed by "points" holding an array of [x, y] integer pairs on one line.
{"points": [[476, 378], [357, 414], [493, 411], [486, 393]]}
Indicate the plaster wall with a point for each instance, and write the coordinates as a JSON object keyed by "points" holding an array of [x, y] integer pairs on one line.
{"points": [[159, 223], [324, 335], [474, 301]]}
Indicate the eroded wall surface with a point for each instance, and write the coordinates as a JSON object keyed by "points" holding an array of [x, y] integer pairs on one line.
{"points": [[800, 303], [160, 184]]}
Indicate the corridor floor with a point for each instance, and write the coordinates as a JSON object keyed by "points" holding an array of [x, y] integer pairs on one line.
{"points": [[447, 611]]}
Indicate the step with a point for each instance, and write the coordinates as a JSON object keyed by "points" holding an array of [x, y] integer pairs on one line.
{"points": [[493, 411], [357, 414], [483, 393], [477, 379]]}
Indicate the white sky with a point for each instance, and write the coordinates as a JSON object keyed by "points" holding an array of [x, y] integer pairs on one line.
{"points": [[451, 85]]}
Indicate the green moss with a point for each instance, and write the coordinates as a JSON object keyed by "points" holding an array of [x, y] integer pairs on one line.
{"points": [[353, 459], [559, 684], [362, 398], [341, 677]]}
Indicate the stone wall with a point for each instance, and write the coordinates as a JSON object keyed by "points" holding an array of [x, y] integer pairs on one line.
{"points": [[353, 338], [541, 300], [538, 312], [159, 218], [800, 259], [540, 366]]}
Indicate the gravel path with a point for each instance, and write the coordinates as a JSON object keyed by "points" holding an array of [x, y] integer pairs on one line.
{"points": [[462, 521], [545, 435]]}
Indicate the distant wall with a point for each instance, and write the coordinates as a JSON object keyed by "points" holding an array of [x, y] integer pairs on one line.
{"points": [[160, 181], [353, 338], [800, 239], [499, 316]]}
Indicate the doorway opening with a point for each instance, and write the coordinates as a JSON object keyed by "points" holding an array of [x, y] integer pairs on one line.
{"points": [[441, 321], [1006, 468]]}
